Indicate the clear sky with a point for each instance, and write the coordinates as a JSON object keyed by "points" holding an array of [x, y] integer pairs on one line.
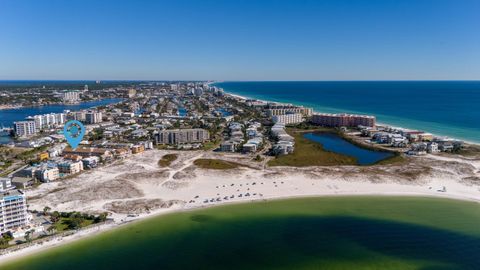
{"points": [[240, 40]]}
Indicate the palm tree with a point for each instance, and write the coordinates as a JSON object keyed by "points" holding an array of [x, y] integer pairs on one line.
{"points": [[55, 217], [28, 235], [52, 229]]}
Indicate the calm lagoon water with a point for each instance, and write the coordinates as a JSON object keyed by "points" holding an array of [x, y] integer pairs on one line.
{"points": [[442, 107], [7, 117], [334, 143], [352, 232]]}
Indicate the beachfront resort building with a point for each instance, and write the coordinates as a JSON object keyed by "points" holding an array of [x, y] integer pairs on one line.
{"points": [[13, 210], [279, 109], [24, 128], [288, 119], [70, 167], [179, 136], [343, 120]]}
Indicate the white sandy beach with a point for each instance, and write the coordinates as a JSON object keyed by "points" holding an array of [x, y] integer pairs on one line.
{"points": [[138, 187]]}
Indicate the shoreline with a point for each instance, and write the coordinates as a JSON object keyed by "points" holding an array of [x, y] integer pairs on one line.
{"points": [[109, 227], [378, 123], [182, 182]]}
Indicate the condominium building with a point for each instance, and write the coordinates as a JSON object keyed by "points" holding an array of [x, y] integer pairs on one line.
{"points": [[178, 136], [343, 120], [5, 184], [289, 118], [79, 116], [71, 96], [50, 120], [47, 174], [131, 92], [92, 117], [13, 210], [24, 128], [70, 167], [273, 109]]}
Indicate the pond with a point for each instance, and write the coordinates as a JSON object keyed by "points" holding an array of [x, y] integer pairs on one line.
{"points": [[334, 143]]}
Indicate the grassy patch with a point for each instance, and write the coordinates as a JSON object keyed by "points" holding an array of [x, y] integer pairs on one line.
{"points": [[62, 224], [167, 159], [469, 150], [216, 164], [210, 145], [397, 158], [309, 153]]}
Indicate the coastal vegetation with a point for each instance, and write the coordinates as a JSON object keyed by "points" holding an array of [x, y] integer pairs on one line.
{"points": [[216, 164], [310, 153], [167, 159], [348, 232]]}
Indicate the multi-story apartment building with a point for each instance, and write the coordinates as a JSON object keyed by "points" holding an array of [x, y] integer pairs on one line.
{"points": [[13, 210], [343, 120], [71, 96], [289, 118], [274, 109], [79, 116], [47, 173], [24, 128], [70, 167], [131, 92], [93, 117], [5, 184], [50, 120], [179, 136]]}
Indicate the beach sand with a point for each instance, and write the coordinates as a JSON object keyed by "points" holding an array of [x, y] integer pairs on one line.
{"points": [[136, 188]]}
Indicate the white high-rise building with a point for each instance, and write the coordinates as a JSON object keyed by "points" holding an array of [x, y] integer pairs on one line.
{"points": [[24, 128], [13, 210], [289, 118], [48, 120], [93, 117], [71, 96]]}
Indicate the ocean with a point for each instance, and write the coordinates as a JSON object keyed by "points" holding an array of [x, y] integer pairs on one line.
{"points": [[447, 108], [351, 232]]}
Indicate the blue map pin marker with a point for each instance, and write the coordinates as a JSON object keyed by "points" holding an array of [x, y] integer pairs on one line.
{"points": [[73, 132]]}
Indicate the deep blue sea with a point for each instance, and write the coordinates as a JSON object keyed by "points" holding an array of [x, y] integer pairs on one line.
{"points": [[7, 117], [449, 108]]}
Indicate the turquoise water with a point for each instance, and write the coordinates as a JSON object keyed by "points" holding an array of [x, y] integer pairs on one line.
{"points": [[449, 108], [334, 143], [342, 233]]}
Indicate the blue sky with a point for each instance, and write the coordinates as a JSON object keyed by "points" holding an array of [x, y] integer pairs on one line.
{"points": [[240, 40]]}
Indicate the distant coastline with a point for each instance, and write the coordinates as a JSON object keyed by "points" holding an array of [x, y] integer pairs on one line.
{"points": [[378, 123], [399, 123], [13, 107]]}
